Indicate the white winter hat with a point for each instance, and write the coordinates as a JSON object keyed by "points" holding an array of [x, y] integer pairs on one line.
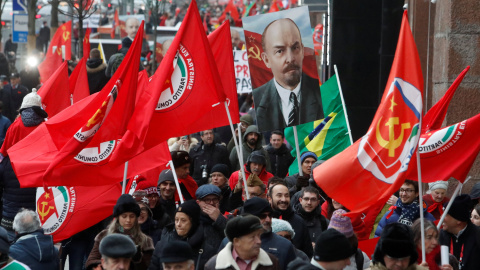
{"points": [[438, 184], [32, 99]]}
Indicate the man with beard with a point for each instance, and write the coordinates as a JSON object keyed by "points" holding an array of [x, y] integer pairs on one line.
{"points": [[252, 141], [255, 164], [291, 97], [279, 199], [279, 153]]}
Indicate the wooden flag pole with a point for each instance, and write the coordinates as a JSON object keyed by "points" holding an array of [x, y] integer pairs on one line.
{"points": [[297, 149], [238, 147], [176, 181], [343, 104]]}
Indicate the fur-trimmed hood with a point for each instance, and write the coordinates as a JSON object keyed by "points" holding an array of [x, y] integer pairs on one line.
{"points": [[95, 65]]}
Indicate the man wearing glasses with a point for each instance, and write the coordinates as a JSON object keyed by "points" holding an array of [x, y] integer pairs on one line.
{"points": [[406, 210], [310, 212]]}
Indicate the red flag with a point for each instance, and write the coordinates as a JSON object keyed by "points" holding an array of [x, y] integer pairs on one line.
{"points": [[55, 91], [232, 9], [375, 166], [65, 211], [433, 119], [86, 43], [275, 6], [453, 149], [263, 74], [78, 81], [53, 59]]}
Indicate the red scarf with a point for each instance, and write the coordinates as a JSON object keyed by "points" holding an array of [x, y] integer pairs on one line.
{"points": [[434, 206]]}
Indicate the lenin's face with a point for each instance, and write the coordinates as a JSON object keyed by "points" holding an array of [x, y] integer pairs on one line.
{"points": [[284, 52]]}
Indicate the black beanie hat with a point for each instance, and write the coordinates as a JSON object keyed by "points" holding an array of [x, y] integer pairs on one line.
{"points": [[256, 157], [180, 158], [331, 246], [221, 168], [191, 209], [165, 175], [242, 225], [256, 206], [126, 203], [461, 208], [396, 241], [176, 251]]}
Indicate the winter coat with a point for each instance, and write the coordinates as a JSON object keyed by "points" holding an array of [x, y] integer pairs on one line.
{"points": [[208, 155], [379, 266], [36, 250], [174, 146], [402, 213], [316, 223], [12, 100], [302, 239], [280, 160], [96, 75], [140, 261], [224, 260], [153, 229], [470, 240], [246, 150], [264, 176]]}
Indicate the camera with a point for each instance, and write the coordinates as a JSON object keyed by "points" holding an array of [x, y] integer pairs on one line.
{"points": [[204, 171]]}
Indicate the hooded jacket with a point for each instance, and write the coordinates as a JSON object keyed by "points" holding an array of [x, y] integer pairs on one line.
{"points": [[246, 150], [36, 250], [96, 75]]}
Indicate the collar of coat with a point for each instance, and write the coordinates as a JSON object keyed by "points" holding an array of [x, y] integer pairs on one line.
{"points": [[225, 259]]}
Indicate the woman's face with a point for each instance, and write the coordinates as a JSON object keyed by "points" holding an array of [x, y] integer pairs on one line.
{"points": [[127, 220], [336, 205], [143, 214], [431, 240], [475, 218], [438, 194], [183, 223]]}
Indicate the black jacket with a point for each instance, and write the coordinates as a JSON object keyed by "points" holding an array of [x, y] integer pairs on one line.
{"points": [[280, 160], [302, 239], [96, 75], [12, 100], [208, 155], [316, 223], [470, 240]]}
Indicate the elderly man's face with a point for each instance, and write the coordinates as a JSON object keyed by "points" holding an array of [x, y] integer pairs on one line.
{"points": [[284, 53], [116, 263], [235, 39], [131, 27], [248, 245], [256, 168]]}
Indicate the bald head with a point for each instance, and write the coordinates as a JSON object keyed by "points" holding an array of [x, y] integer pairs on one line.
{"points": [[283, 52], [131, 27], [235, 39]]}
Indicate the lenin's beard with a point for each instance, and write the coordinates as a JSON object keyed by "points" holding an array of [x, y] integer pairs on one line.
{"points": [[292, 74]]}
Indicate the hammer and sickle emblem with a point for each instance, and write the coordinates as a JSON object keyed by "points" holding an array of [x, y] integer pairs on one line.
{"points": [[97, 116], [255, 54], [66, 35], [392, 143], [59, 51], [43, 213]]}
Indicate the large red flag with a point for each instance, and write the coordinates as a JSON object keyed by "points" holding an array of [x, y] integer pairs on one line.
{"points": [[115, 24], [433, 119], [232, 9], [375, 166], [65, 211], [53, 59], [78, 81], [55, 91], [86, 43], [449, 151]]}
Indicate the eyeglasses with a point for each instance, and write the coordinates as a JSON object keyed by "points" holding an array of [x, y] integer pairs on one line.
{"points": [[408, 190], [265, 215], [313, 199], [210, 200]]}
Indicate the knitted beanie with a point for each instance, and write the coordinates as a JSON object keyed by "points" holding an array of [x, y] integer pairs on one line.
{"points": [[30, 100], [306, 155], [126, 203], [341, 223], [437, 185], [280, 225]]}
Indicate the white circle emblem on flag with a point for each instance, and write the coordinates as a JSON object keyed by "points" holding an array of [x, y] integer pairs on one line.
{"points": [[177, 88], [54, 207], [93, 155]]}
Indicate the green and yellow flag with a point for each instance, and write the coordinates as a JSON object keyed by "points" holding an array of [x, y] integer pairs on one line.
{"points": [[325, 137]]}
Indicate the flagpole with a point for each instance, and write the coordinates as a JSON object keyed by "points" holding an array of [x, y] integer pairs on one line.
{"points": [[420, 191], [343, 104], [460, 185], [125, 177], [176, 181], [239, 153], [297, 149]]}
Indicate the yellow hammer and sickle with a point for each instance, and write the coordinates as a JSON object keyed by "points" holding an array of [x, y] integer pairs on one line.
{"points": [[392, 143], [92, 121], [255, 54], [66, 35], [59, 51], [44, 212]]}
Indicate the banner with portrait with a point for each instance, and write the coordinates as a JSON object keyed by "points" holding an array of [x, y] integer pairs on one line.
{"points": [[286, 89]]}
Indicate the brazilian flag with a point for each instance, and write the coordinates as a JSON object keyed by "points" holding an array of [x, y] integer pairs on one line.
{"points": [[325, 137]]}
